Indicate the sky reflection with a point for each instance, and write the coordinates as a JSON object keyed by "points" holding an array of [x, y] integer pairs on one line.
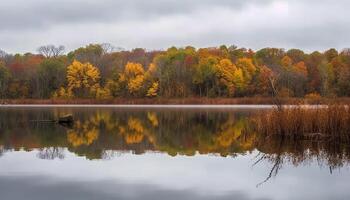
{"points": [[160, 176]]}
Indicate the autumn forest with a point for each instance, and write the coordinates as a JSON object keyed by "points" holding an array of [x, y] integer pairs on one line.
{"points": [[99, 71]]}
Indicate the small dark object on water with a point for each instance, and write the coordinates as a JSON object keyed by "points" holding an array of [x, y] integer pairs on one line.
{"points": [[66, 119]]}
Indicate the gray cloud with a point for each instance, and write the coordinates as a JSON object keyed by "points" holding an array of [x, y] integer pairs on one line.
{"points": [[158, 24], [32, 14], [43, 188]]}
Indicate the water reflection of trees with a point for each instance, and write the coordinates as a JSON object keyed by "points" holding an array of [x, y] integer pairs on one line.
{"points": [[96, 131], [51, 153], [279, 151], [2, 150], [100, 133], [172, 132]]}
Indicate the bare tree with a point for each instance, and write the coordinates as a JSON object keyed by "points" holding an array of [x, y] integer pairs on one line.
{"points": [[109, 48], [346, 51], [51, 51], [3, 54]]}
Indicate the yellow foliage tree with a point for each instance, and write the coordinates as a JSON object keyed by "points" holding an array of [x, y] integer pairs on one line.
{"points": [[114, 87], [153, 90], [135, 84], [248, 69], [62, 93], [133, 69], [151, 71], [83, 79], [132, 77], [239, 80], [226, 75], [103, 93]]}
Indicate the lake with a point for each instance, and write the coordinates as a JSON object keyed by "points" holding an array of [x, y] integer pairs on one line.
{"points": [[177, 152]]}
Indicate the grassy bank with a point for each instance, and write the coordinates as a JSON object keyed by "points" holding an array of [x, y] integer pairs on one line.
{"points": [[179, 101]]}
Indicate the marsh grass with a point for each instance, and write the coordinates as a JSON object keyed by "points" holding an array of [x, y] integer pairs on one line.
{"points": [[330, 122]]}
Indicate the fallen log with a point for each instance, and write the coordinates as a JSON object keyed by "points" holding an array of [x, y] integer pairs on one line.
{"points": [[66, 119]]}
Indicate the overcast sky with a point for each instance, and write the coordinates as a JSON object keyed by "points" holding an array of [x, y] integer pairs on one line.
{"points": [[159, 24]]}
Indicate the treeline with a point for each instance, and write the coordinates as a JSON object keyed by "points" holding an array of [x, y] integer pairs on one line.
{"points": [[99, 71]]}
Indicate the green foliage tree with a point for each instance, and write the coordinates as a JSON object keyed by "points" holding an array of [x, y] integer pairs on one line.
{"points": [[5, 77], [204, 76], [51, 74], [175, 71]]}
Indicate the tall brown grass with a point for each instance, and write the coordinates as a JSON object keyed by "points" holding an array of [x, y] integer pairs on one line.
{"points": [[329, 122]]}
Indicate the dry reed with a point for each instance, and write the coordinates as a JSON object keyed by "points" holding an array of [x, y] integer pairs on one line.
{"points": [[305, 122]]}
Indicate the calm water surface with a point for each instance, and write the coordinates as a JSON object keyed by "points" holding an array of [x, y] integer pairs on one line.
{"points": [[160, 153]]}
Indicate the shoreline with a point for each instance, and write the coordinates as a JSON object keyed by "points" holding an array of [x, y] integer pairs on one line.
{"points": [[182, 106], [192, 101], [163, 106], [179, 103]]}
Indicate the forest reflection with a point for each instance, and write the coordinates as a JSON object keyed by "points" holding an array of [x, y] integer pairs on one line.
{"points": [[104, 133]]}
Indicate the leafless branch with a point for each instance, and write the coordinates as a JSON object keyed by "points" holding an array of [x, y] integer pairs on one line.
{"points": [[51, 51], [3, 54], [274, 170]]}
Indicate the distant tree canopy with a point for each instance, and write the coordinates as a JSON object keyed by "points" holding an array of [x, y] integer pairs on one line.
{"points": [[99, 71], [51, 51]]}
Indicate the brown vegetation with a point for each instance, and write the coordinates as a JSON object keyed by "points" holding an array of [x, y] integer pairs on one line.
{"points": [[329, 122]]}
